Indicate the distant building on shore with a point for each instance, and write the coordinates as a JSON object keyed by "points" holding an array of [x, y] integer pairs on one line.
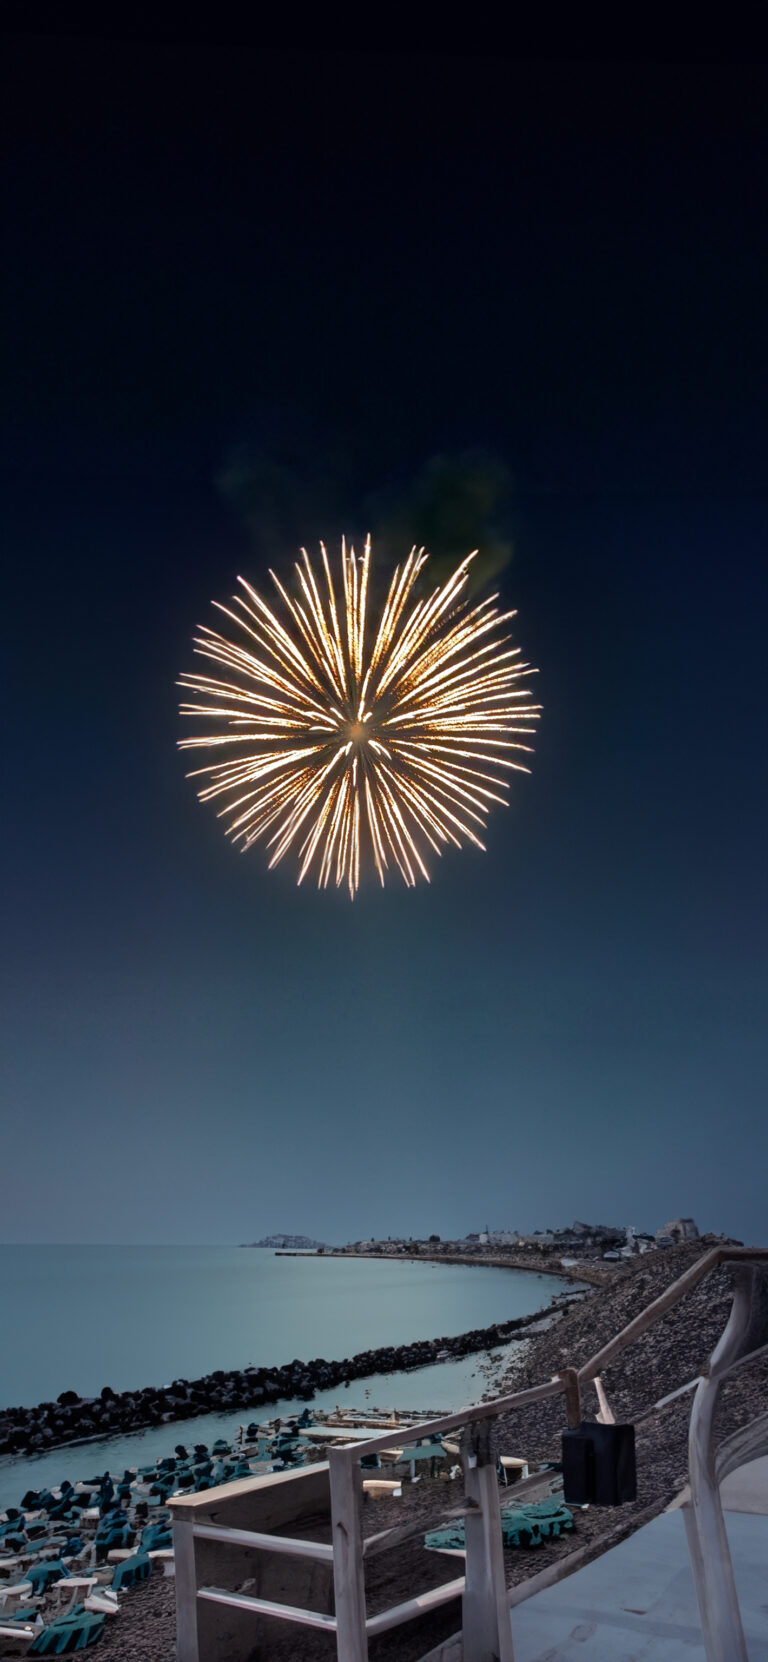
{"points": [[582, 1242], [680, 1229]]}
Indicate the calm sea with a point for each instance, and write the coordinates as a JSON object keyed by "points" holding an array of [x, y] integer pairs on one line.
{"points": [[78, 1318]]}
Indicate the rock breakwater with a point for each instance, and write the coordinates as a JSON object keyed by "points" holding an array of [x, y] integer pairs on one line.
{"points": [[75, 1419]]}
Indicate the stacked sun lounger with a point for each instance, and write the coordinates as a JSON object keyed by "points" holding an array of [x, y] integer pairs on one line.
{"points": [[67, 1554], [521, 1526]]}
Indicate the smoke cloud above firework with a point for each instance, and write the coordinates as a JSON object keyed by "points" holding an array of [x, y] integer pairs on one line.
{"points": [[350, 734]]}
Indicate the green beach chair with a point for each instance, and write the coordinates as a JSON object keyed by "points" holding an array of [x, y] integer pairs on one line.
{"points": [[528, 1526], [75, 1631], [22, 1617], [521, 1526], [131, 1571], [49, 1569], [156, 1537]]}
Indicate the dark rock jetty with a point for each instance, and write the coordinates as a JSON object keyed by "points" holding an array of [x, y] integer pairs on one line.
{"points": [[74, 1419]]}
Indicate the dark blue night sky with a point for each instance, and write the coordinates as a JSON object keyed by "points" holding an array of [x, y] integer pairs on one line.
{"points": [[249, 299]]}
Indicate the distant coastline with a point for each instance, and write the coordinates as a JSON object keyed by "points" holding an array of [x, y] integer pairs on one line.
{"points": [[597, 1275], [594, 1253]]}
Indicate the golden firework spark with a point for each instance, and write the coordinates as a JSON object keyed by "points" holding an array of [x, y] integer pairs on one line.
{"points": [[351, 740]]}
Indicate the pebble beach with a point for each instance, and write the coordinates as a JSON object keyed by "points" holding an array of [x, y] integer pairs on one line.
{"points": [[671, 1354]]}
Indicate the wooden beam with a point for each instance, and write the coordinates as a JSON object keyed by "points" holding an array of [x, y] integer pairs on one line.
{"points": [[187, 1642], [266, 1607], [347, 1537], [348, 1433], [570, 1380], [422, 1605], [462, 1417], [281, 1489], [606, 1415], [486, 1629], [289, 1545]]}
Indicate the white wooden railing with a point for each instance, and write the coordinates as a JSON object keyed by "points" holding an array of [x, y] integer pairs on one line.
{"points": [[486, 1634]]}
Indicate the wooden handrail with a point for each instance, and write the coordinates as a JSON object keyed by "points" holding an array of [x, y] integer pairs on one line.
{"points": [[451, 1422], [267, 1607], [289, 1545], [666, 1300], [421, 1605]]}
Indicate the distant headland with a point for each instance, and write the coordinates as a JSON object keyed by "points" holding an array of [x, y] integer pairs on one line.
{"points": [[287, 1243]]}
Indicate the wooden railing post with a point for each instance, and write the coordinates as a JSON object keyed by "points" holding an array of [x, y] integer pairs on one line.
{"points": [[486, 1627], [187, 1647], [570, 1377], [347, 1538]]}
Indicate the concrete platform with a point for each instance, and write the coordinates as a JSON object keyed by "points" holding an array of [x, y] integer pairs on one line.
{"points": [[637, 1603], [745, 1490]]}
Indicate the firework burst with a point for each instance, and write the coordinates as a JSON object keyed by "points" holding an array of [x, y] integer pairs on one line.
{"points": [[349, 739]]}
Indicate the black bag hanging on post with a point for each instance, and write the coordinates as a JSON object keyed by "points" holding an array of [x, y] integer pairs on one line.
{"points": [[599, 1465]]}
